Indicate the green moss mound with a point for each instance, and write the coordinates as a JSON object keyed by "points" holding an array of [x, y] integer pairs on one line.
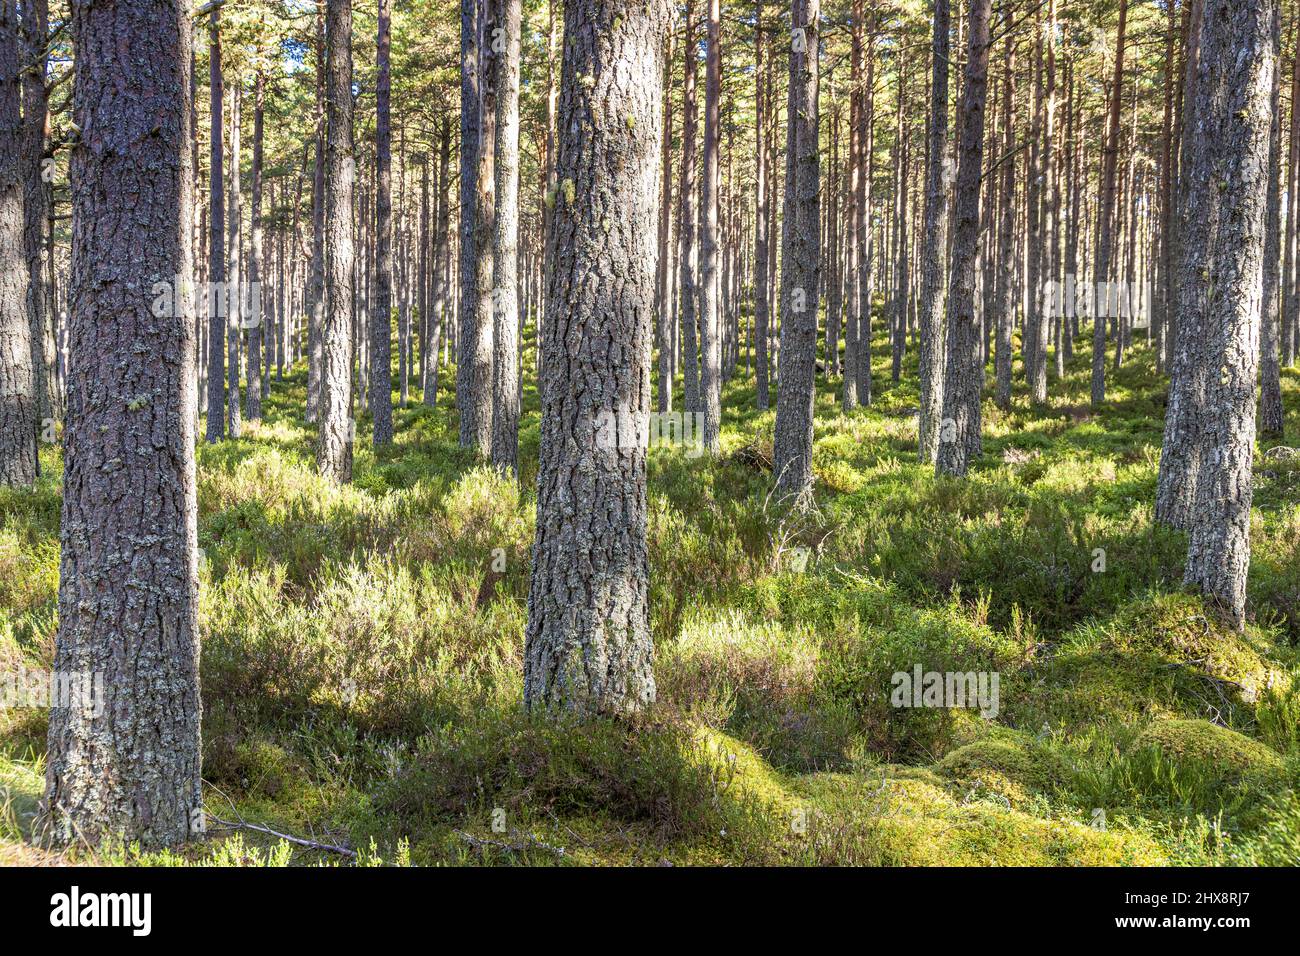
{"points": [[1161, 656], [1226, 756], [1014, 766]]}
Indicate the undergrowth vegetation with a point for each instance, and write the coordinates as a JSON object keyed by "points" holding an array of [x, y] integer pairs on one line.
{"points": [[362, 653]]}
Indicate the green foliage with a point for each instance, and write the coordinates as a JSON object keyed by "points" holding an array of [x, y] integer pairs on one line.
{"points": [[362, 654]]}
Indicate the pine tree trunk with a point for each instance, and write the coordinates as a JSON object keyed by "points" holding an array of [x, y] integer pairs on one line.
{"points": [[470, 129], [686, 210], [36, 206], [1049, 247], [862, 214], [316, 303], [19, 403], [337, 429], [964, 376], [505, 284], [1270, 397], [442, 264], [234, 277], [710, 306], [128, 588], [1221, 286], [1007, 305], [1102, 263], [381, 317], [1180, 470], [218, 300], [800, 261], [762, 216], [255, 321], [664, 273], [939, 171], [587, 646]]}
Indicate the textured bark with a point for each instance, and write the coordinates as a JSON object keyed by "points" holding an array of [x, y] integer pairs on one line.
{"points": [[964, 375], [1160, 315], [316, 297], [505, 283], [442, 263], [381, 321], [1179, 473], [901, 262], [710, 306], [1290, 287], [854, 173], [18, 378], [587, 647], [1102, 263], [424, 254], [128, 590], [1221, 287], [234, 277], [1007, 282], [255, 321], [1270, 395], [861, 315], [1050, 245], [474, 384], [664, 272], [762, 216], [686, 209], [217, 298], [36, 205], [1033, 343], [938, 178], [800, 261], [334, 444], [470, 109]]}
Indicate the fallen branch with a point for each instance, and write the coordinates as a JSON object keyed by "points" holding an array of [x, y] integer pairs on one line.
{"points": [[299, 841]]}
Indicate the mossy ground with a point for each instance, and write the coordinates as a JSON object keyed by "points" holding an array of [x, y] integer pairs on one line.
{"points": [[362, 663]]}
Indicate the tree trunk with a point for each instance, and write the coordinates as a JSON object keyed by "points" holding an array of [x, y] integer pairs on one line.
{"points": [[19, 404], [337, 429], [316, 304], [1179, 473], [1102, 262], [710, 310], [256, 320], [939, 171], [474, 384], [664, 272], [800, 261], [36, 206], [234, 279], [505, 284], [1270, 397], [862, 214], [442, 263], [686, 208], [762, 216], [587, 647], [1002, 361], [128, 582], [1221, 286], [218, 300], [960, 428], [381, 317]]}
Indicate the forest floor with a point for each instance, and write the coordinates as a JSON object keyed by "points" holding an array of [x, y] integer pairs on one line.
{"points": [[362, 659]]}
